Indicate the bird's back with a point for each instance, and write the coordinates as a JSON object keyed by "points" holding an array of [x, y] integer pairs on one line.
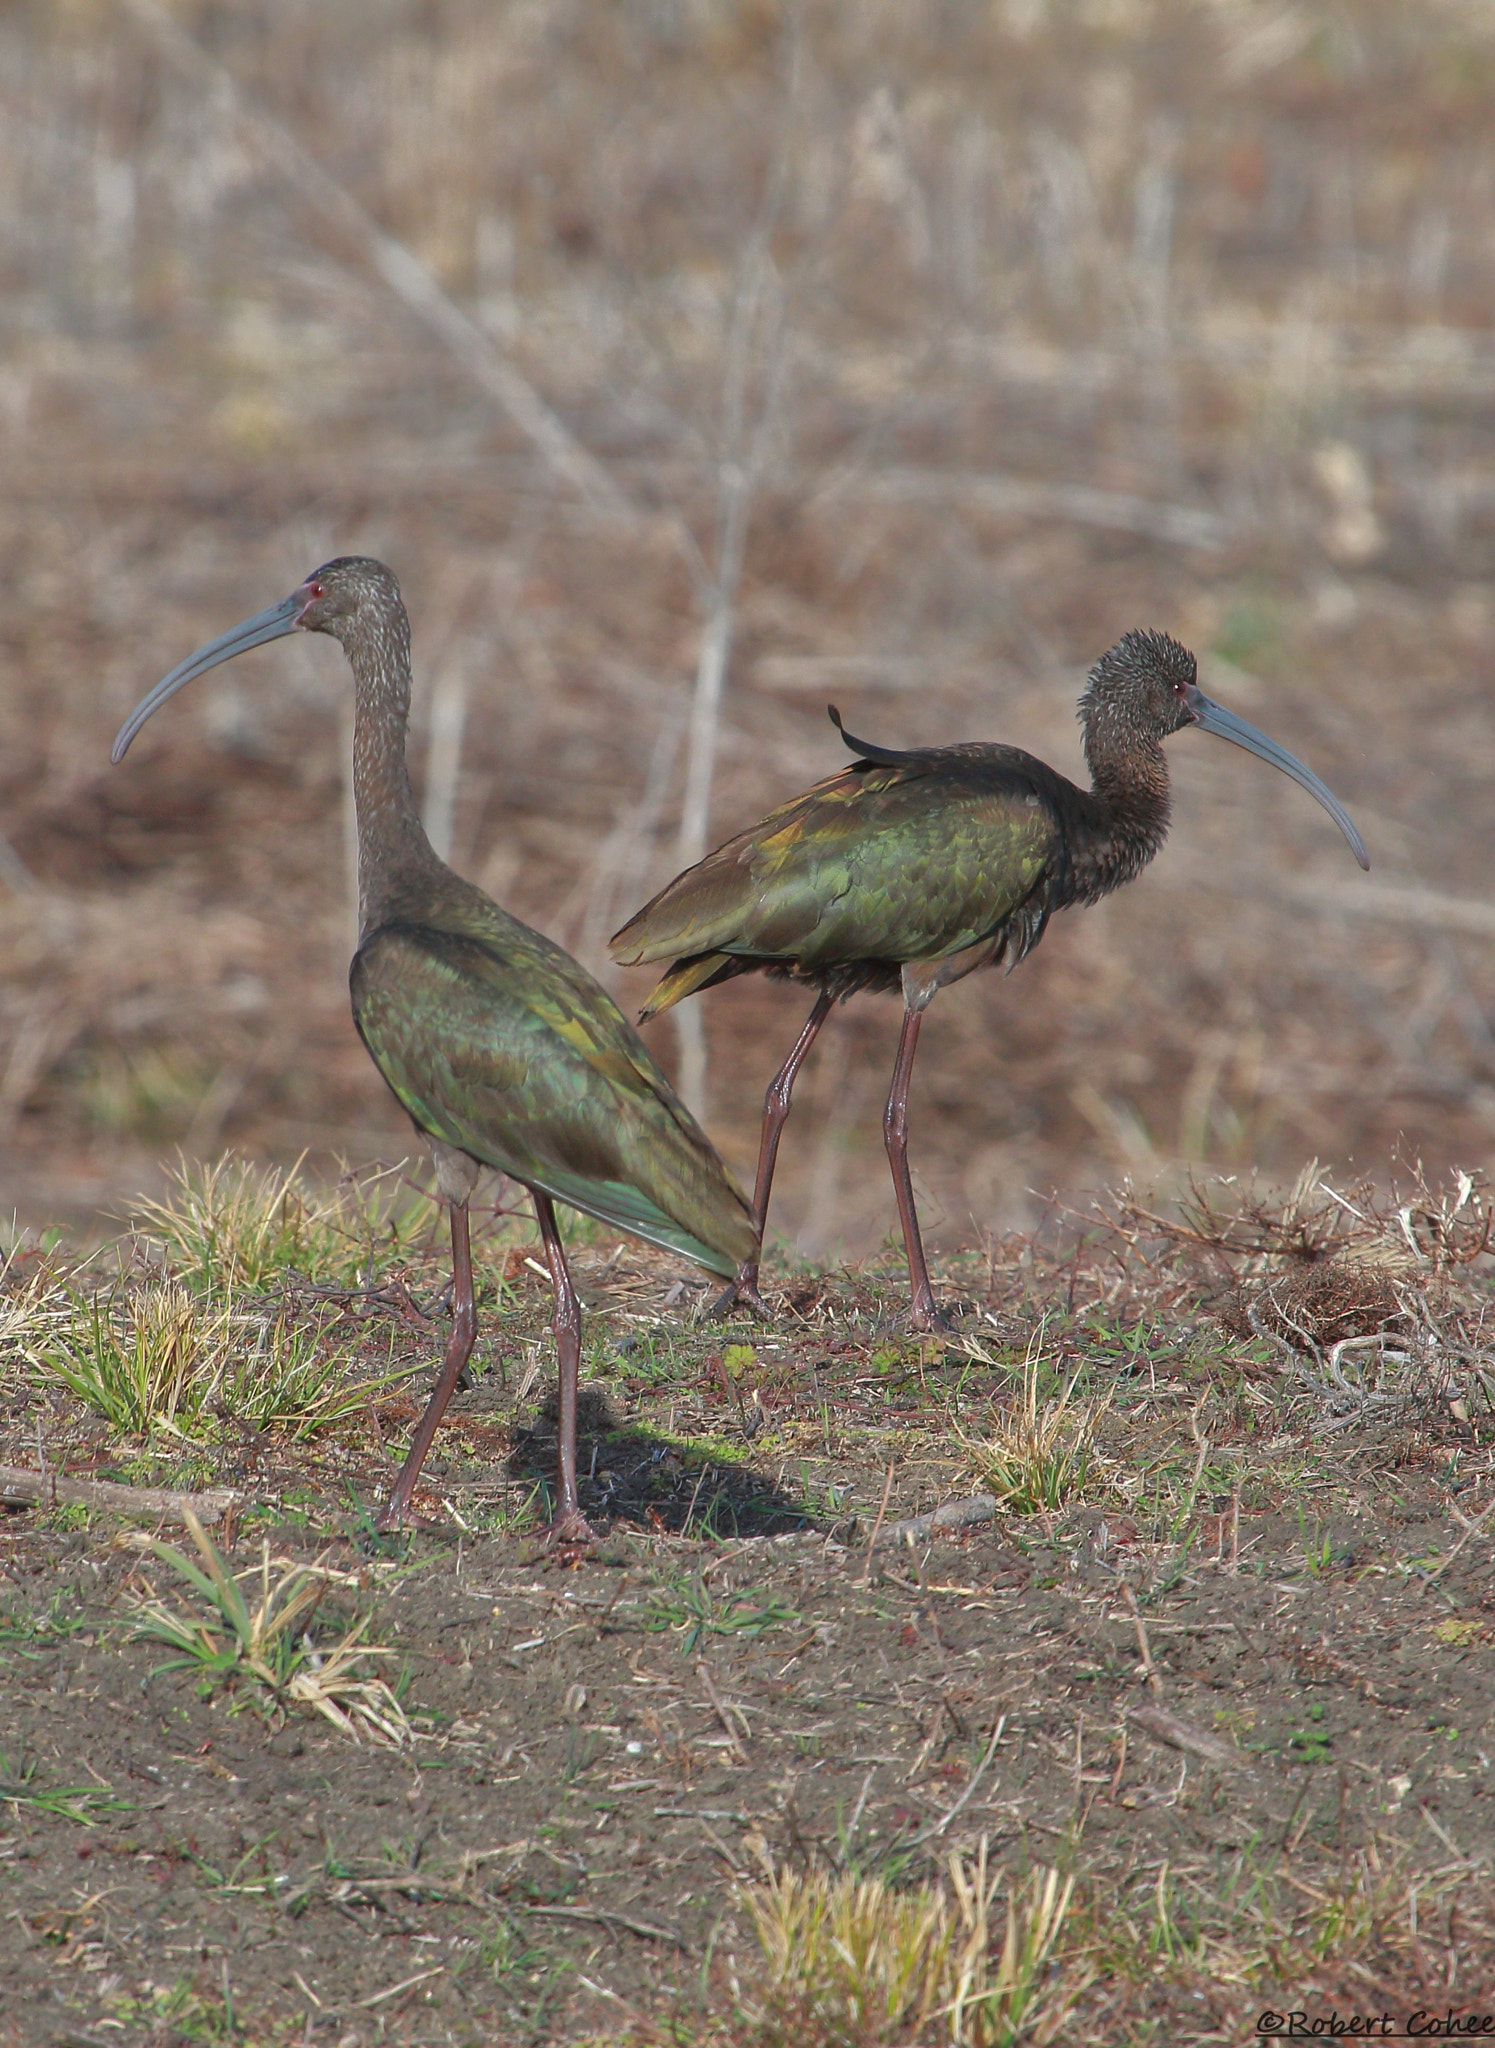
{"points": [[912, 858], [499, 1043]]}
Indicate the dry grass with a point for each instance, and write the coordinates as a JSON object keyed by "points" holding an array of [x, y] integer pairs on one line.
{"points": [[1069, 318], [1039, 1452], [233, 1226], [852, 1963]]}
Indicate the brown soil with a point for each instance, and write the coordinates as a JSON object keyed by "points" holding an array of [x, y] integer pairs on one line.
{"points": [[563, 1852]]}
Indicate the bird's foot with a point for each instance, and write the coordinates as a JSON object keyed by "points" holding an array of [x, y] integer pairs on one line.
{"points": [[390, 1519], [743, 1293], [570, 1526], [928, 1315]]}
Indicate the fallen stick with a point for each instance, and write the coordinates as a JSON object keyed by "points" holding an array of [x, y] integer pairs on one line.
{"points": [[605, 1917], [1165, 1727], [20, 1488], [954, 1514]]}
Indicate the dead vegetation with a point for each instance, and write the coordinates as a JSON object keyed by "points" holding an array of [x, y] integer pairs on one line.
{"points": [[695, 364], [1191, 1713]]}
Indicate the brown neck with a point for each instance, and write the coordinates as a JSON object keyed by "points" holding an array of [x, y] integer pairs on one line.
{"points": [[1128, 811], [396, 863]]}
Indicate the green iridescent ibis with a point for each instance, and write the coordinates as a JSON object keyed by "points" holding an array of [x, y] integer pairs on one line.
{"points": [[504, 1051], [912, 869]]}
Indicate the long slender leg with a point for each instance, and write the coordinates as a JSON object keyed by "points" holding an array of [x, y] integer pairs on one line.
{"points": [[776, 1101], [570, 1524], [458, 1350], [926, 1315]]}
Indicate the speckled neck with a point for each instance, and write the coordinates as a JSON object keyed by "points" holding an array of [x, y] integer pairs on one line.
{"points": [[1130, 805], [396, 863]]}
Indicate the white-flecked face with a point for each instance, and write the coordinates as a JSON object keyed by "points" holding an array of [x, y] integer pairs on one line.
{"points": [[1140, 688], [357, 601]]}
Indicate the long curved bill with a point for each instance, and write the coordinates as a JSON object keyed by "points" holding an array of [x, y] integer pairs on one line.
{"points": [[271, 624], [1212, 717]]}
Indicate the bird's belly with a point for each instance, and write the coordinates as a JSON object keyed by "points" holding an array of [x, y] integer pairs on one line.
{"points": [[456, 1172]]}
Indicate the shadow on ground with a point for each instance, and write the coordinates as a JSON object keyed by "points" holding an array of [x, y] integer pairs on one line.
{"points": [[631, 1474]]}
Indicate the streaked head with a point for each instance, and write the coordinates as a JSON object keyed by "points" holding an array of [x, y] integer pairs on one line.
{"points": [[1147, 686], [1140, 689]]}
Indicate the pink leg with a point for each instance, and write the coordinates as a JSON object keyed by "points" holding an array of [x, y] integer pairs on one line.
{"points": [[776, 1103], [925, 1313], [458, 1350], [570, 1524]]}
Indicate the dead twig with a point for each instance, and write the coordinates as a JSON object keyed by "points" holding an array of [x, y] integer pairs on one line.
{"points": [[952, 1514], [722, 1711], [20, 1488], [887, 1488], [1168, 1728], [605, 1917], [1149, 1670], [939, 1826], [1471, 1529]]}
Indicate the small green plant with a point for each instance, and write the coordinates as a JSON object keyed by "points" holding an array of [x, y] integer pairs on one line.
{"points": [[181, 2012], [265, 1651], [31, 1307], [1313, 1745], [158, 1359], [84, 1804], [56, 1625], [1040, 1454], [692, 1607], [504, 1950], [281, 1378], [145, 1362]]}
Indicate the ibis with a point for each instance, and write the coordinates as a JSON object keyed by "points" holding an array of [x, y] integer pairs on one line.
{"points": [[908, 870], [504, 1051]]}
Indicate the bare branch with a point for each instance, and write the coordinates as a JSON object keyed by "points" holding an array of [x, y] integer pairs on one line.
{"points": [[406, 276]]}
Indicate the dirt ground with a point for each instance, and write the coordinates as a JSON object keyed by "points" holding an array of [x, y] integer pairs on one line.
{"points": [[1236, 1680]]}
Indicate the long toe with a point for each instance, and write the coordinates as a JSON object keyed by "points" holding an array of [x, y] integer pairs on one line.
{"points": [[572, 1528], [741, 1294], [747, 1293]]}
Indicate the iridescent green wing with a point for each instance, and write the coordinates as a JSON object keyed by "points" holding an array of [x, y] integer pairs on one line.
{"points": [[498, 1043], [907, 862]]}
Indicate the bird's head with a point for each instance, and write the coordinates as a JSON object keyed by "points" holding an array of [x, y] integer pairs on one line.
{"points": [[1146, 687], [344, 596], [355, 599], [1140, 690]]}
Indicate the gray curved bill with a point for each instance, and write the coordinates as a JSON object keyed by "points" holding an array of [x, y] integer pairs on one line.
{"points": [[271, 624], [1212, 717]]}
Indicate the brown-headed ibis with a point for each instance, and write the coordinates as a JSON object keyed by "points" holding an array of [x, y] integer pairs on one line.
{"points": [[912, 869], [502, 1048]]}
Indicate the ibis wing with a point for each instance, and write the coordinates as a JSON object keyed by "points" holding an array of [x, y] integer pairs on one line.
{"points": [[500, 1044], [913, 861]]}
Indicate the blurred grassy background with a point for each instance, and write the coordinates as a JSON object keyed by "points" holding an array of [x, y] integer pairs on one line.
{"points": [[988, 330]]}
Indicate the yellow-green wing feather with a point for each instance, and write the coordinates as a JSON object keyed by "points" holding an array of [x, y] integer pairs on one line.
{"points": [[896, 863], [500, 1044]]}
